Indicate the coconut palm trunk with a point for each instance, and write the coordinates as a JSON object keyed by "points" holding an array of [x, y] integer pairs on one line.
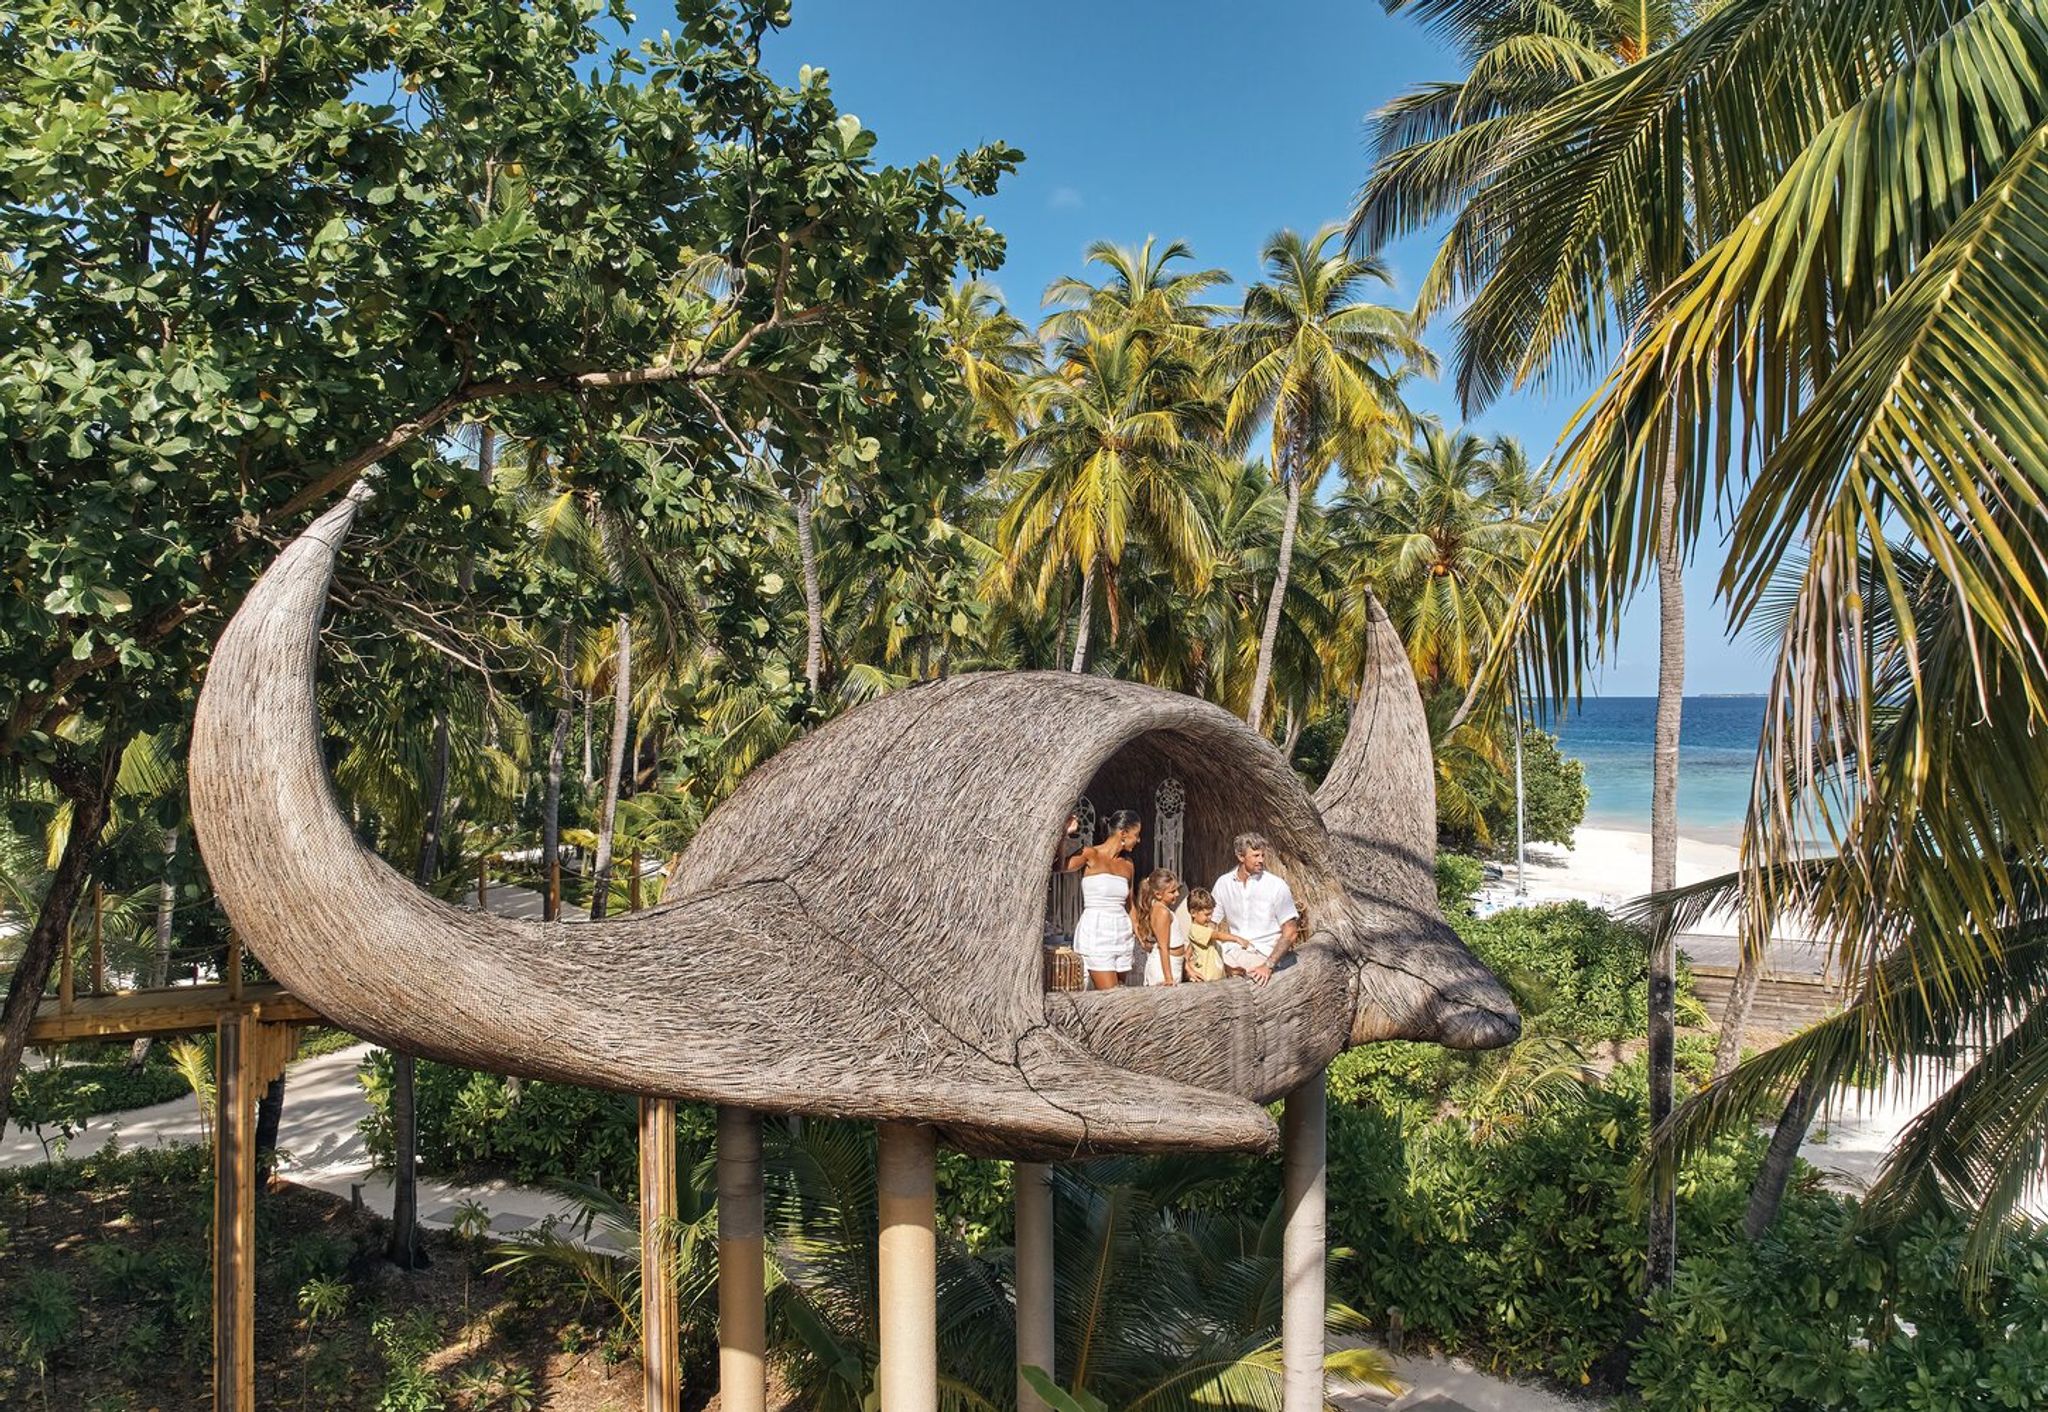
{"points": [[615, 768], [1269, 636], [1749, 974], [404, 1247], [1769, 1192], [1663, 1019], [551, 820], [166, 911], [814, 599], [589, 767], [91, 792], [1083, 616]]}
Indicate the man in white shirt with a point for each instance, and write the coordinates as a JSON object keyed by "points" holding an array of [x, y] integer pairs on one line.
{"points": [[1257, 906]]}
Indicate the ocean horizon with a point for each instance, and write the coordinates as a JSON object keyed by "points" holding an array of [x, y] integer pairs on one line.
{"points": [[1615, 737]]}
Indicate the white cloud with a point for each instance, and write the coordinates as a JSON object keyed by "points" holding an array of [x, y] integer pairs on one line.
{"points": [[1064, 198]]}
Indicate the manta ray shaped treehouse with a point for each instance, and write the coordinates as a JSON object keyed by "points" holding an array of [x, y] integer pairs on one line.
{"points": [[856, 931]]}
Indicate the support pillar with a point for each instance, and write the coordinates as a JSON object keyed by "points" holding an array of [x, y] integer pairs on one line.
{"points": [[742, 1286], [1302, 1251], [248, 1053], [908, 1379], [661, 1315], [1033, 1184]]}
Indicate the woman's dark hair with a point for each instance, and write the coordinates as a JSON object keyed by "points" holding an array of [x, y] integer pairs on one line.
{"points": [[1119, 821]]}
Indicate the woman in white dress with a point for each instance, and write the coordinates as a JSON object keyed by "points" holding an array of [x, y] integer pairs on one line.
{"points": [[1106, 936]]}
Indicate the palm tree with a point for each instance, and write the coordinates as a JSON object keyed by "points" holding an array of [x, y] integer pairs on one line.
{"points": [[1970, 1011], [1323, 369], [1550, 248], [995, 354], [1443, 543], [1841, 355], [1123, 438], [1139, 291]]}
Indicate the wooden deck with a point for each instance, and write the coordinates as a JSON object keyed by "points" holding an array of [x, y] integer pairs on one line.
{"points": [[1785, 1002]]}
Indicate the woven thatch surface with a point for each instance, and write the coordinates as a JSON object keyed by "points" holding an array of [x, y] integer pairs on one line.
{"points": [[856, 931]]}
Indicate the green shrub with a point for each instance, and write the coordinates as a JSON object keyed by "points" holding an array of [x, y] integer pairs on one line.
{"points": [[473, 1123], [1576, 972], [1458, 877], [67, 1093], [1528, 1244], [1822, 1314], [1554, 793]]}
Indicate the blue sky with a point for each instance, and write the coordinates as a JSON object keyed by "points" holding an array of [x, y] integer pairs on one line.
{"points": [[1213, 122]]}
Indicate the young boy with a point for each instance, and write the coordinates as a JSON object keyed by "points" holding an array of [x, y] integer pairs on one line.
{"points": [[1205, 939]]}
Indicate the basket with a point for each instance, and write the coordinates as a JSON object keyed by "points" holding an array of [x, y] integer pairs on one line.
{"points": [[1063, 970]]}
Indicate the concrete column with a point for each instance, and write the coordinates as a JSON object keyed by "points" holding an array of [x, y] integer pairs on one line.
{"points": [[1302, 1251], [1033, 1183], [742, 1299], [661, 1315], [908, 1379]]}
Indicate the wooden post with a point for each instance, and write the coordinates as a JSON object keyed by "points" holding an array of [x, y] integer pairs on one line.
{"points": [[99, 939], [555, 883], [67, 981], [908, 1379], [742, 1298], [248, 1053], [1303, 1306], [1033, 1184], [661, 1315], [633, 884], [234, 965], [483, 883]]}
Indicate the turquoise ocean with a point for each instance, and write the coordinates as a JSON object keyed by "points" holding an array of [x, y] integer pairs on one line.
{"points": [[1615, 737]]}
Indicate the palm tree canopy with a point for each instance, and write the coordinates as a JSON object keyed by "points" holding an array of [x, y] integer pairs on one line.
{"points": [[1141, 286], [1123, 439], [1310, 357]]}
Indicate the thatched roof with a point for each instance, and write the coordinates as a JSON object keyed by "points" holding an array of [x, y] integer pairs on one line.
{"points": [[856, 931]]}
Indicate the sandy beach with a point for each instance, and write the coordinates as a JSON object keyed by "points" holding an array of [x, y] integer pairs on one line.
{"points": [[1610, 868]]}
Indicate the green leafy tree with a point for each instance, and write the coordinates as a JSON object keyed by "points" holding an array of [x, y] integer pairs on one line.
{"points": [[238, 275]]}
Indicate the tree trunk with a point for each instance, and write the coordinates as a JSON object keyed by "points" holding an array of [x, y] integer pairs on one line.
{"points": [[1291, 736], [622, 721], [814, 602], [589, 772], [551, 821], [166, 911], [269, 1118], [1769, 1192], [1081, 618], [1663, 1020], [437, 798], [1262, 677], [1749, 974], [404, 1250], [91, 791]]}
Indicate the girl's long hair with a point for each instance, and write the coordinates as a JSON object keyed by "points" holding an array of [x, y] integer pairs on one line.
{"points": [[1156, 882]]}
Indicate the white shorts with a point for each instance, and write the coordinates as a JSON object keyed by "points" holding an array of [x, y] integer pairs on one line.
{"points": [[1154, 976], [1243, 958], [1103, 947]]}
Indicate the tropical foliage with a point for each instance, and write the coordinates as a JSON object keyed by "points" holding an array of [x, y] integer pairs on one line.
{"points": [[1795, 246]]}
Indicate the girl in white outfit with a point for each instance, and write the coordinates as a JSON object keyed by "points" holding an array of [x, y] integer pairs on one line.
{"points": [[1105, 936], [1159, 931]]}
